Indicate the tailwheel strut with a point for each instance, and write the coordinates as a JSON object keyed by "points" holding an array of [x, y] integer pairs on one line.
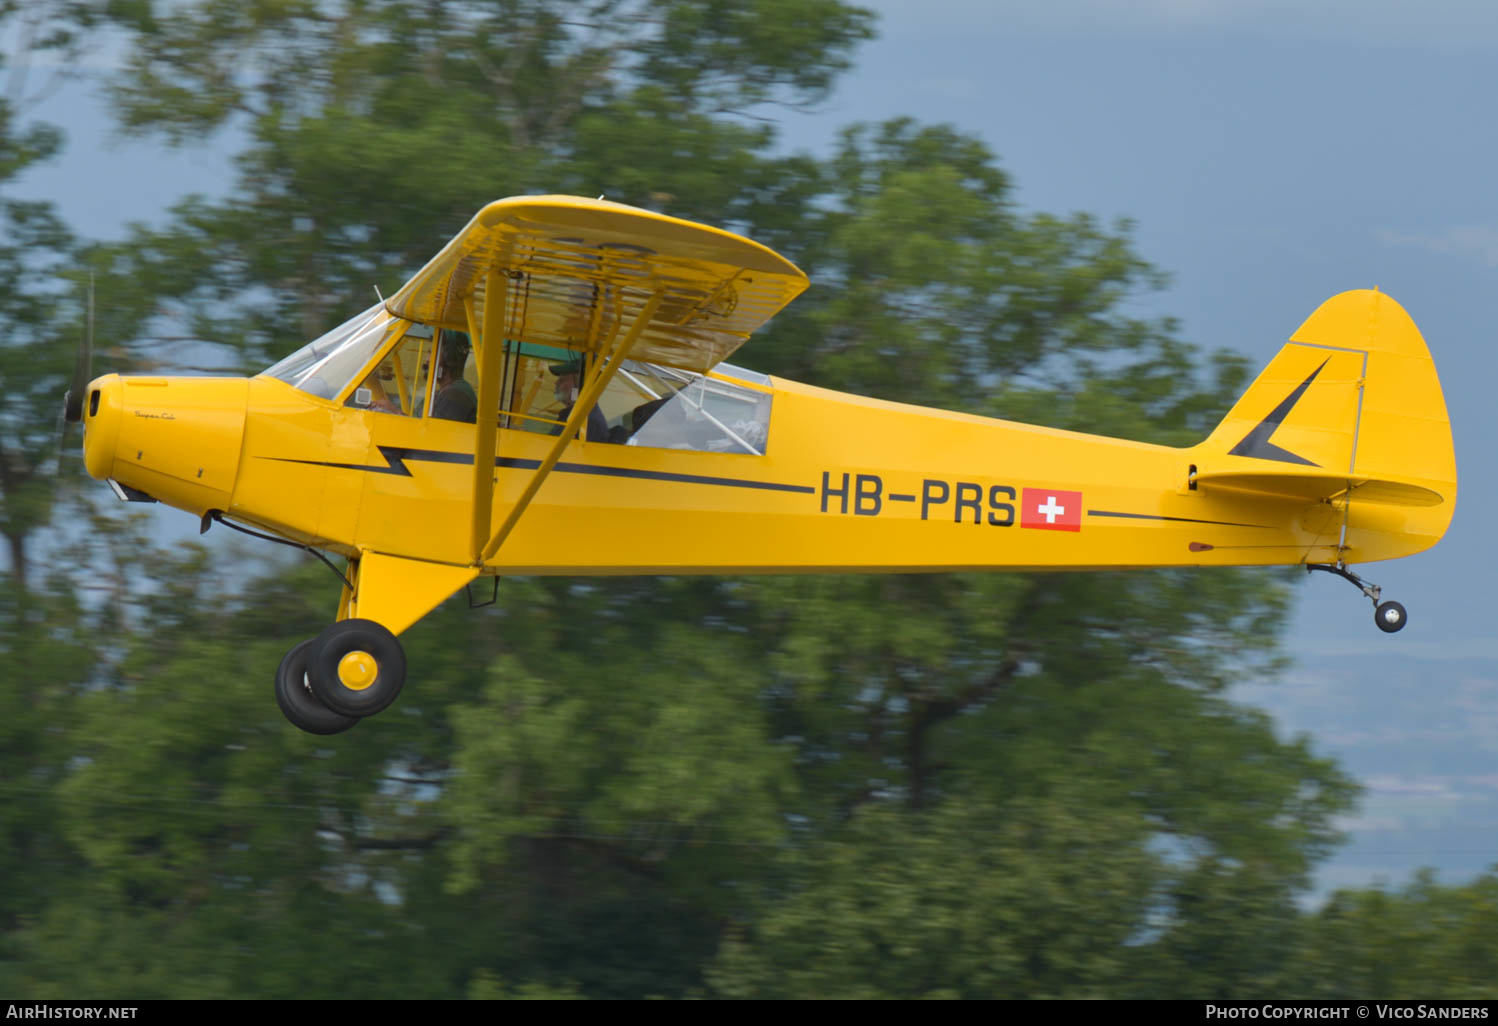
{"points": [[1388, 616]]}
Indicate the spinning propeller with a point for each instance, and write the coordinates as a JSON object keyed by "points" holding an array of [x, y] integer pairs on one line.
{"points": [[72, 401]]}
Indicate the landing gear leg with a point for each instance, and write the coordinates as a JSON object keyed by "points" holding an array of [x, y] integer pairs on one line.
{"points": [[1388, 616]]}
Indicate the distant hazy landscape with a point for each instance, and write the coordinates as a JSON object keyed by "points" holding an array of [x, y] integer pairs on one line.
{"points": [[1424, 744]]}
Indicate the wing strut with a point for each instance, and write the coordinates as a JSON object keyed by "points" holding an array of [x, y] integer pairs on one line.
{"points": [[604, 374], [490, 345]]}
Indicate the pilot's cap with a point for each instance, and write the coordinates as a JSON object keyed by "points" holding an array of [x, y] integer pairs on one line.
{"points": [[570, 367]]}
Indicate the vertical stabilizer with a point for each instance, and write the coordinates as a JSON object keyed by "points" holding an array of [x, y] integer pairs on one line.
{"points": [[1349, 413]]}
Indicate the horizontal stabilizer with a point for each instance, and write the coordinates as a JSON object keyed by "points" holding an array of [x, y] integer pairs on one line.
{"points": [[1320, 487]]}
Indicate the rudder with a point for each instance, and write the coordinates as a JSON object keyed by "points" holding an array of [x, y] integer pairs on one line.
{"points": [[1350, 411]]}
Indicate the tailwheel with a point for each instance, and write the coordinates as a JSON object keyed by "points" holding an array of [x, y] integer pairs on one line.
{"points": [[357, 668], [298, 704], [1388, 616]]}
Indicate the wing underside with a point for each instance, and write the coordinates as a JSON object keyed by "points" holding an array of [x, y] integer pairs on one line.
{"points": [[601, 280], [580, 272]]}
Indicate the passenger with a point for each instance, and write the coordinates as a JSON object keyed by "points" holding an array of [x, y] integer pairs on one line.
{"points": [[455, 399], [568, 375]]}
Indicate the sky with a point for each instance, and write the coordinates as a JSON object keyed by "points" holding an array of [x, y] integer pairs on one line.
{"points": [[1270, 154], [1269, 159]]}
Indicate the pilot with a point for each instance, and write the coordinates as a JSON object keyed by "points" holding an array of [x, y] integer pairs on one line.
{"points": [[568, 375], [455, 399]]}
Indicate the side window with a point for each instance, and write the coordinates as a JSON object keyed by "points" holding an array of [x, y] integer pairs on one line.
{"points": [[645, 404], [532, 393], [398, 383], [541, 387], [665, 408]]}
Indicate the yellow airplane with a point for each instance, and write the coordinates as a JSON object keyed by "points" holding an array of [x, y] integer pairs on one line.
{"points": [[549, 395]]}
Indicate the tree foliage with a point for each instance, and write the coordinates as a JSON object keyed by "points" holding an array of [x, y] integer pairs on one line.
{"points": [[1421, 939], [40, 326], [374, 127], [946, 785]]}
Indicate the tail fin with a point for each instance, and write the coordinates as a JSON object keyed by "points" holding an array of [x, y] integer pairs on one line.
{"points": [[1350, 412]]}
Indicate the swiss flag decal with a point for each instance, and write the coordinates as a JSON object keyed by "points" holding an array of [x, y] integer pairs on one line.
{"points": [[1051, 510]]}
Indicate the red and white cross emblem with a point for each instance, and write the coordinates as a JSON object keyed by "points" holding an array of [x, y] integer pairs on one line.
{"points": [[1051, 509]]}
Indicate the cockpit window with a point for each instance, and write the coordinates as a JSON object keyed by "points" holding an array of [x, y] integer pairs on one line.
{"points": [[645, 404], [676, 409], [398, 383], [325, 366]]}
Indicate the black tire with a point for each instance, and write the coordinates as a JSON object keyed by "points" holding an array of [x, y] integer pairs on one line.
{"points": [[1390, 617], [297, 701], [383, 665]]}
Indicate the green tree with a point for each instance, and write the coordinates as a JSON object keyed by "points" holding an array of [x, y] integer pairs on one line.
{"points": [[46, 643], [970, 785], [47, 649], [1424, 940], [374, 129], [1100, 695], [1020, 899], [40, 318], [214, 853]]}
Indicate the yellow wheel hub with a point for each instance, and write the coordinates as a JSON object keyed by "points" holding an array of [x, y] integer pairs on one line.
{"points": [[357, 671]]}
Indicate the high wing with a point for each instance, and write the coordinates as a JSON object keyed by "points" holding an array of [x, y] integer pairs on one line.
{"points": [[597, 278], [581, 270]]}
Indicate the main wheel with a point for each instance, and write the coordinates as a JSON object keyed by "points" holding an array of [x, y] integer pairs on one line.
{"points": [[357, 668], [1389, 617], [297, 701]]}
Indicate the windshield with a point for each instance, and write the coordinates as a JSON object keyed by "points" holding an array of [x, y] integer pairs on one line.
{"points": [[326, 365]]}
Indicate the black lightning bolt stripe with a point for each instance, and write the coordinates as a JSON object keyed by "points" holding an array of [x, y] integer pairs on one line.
{"points": [[396, 457], [1181, 520], [1256, 443]]}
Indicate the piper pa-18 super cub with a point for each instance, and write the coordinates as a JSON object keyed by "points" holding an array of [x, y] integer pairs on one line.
{"points": [[549, 396]]}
